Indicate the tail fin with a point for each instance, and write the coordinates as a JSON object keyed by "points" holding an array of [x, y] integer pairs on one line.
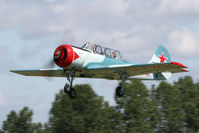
{"points": [[161, 55]]}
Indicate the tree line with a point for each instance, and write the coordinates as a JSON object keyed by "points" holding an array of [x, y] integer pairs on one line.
{"points": [[166, 108]]}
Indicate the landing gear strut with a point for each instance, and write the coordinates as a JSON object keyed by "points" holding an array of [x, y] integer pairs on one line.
{"points": [[68, 86], [120, 89]]}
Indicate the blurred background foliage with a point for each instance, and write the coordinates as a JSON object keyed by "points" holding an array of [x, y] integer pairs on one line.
{"points": [[167, 108]]}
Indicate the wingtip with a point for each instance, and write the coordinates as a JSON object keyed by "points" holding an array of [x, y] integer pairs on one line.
{"points": [[179, 64]]}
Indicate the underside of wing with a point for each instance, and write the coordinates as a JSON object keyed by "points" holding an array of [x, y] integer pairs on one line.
{"points": [[59, 72], [173, 67], [50, 72], [112, 72]]}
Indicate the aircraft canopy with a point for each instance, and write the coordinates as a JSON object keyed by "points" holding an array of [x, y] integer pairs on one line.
{"points": [[97, 49]]}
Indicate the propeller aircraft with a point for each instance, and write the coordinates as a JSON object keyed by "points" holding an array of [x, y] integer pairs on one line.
{"points": [[95, 61]]}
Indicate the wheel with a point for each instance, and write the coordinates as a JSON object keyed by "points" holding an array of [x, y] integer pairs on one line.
{"points": [[66, 88], [72, 93], [119, 91]]}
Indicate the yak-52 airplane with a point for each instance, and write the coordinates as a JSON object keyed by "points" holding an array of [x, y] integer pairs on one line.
{"points": [[95, 61]]}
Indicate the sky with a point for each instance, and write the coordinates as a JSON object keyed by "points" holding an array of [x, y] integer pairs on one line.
{"points": [[31, 30]]}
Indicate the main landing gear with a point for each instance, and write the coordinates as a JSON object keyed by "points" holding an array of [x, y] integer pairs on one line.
{"points": [[68, 86], [72, 92], [120, 89]]}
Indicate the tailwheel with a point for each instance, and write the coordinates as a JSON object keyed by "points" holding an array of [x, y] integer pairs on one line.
{"points": [[72, 93], [119, 91]]}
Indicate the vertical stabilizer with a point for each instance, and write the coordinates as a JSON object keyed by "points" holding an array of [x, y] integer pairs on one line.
{"points": [[161, 55]]}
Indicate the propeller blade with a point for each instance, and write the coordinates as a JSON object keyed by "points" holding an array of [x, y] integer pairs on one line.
{"points": [[50, 64]]}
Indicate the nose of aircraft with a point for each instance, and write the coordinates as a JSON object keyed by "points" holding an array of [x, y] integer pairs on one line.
{"points": [[57, 54], [63, 55]]}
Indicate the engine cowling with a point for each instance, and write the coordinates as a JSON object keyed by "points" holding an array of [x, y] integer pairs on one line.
{"points": [[64, 55]]}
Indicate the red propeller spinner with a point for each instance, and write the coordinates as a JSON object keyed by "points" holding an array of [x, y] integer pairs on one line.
{"points": [[64, 55]]}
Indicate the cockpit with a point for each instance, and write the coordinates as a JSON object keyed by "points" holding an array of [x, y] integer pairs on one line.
{"points": [[97, 49]]}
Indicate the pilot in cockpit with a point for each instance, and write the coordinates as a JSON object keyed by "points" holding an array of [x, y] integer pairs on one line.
{"points": [[94, 49], [114, 55]]}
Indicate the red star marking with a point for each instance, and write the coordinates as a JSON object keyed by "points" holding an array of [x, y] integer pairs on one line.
{"points": [[162, 58]]}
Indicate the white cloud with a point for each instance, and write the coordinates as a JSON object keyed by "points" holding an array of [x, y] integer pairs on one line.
{"points": [[179, 7], [37, 19], [125, 23], [184, 42]]}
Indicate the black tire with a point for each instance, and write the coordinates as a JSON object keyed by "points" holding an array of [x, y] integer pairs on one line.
{"points": [[72, 93], [66, 88], [119, 91]]}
